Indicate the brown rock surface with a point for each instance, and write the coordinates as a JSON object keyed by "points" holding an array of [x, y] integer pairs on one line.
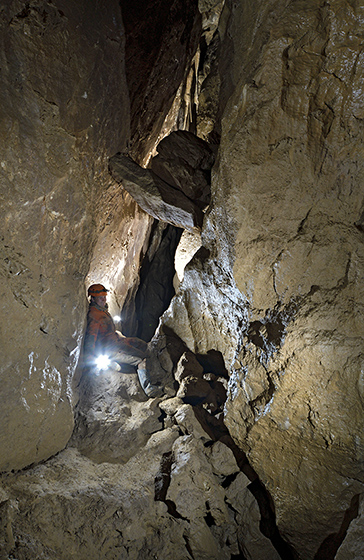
{"points": [[114, 417], [154, 195], [278, 288], [188, 365], [55, 61], [298, 258], [122, 231], [173, 498], [271, 305]]}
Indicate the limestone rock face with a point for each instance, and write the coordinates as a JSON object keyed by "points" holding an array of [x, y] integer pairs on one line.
{"points": [[114, 417], [161, 40], [299, 260], [278, 285], [255, 450], [63, 86], [121, 495], [154, 195]]}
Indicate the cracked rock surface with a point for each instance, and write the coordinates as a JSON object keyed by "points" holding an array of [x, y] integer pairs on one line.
{"points": [[138, 480], [256, 449], [277, 287], [54, 59]]}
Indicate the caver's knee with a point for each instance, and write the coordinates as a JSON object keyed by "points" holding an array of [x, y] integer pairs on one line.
{"points": [[151, 390], [138, 343], [123, 357], [133, 347]]}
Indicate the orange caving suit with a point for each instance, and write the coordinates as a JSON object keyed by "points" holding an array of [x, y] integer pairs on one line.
{"points": [[101, 337]]}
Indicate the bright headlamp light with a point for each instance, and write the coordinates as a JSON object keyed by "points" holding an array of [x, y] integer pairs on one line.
{"points": [[102, 362]]}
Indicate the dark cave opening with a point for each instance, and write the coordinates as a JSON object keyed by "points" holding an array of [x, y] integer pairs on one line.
{"points": [[156, 282]]}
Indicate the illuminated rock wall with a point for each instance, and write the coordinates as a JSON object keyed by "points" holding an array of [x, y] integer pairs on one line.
{"points": [[290, 179], [64, 109], [271, 305], [279, 290]]}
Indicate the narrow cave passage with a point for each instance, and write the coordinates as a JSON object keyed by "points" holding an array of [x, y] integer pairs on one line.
{"points": [[133, 132], [198, 382], [155, 289]]}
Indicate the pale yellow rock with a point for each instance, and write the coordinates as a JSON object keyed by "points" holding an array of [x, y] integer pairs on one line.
{"points": [[192, 482], [189, 243]]}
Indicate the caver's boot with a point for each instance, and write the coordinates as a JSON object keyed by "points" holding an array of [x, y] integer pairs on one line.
{"points": [[152, 391]]}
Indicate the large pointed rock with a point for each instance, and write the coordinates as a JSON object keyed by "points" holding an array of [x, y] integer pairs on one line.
{"points": [[155, 196], [114, 418]]}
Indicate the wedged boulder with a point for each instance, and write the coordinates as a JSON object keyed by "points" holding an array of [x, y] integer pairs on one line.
{"points": [[155, 196], [184, 161]]}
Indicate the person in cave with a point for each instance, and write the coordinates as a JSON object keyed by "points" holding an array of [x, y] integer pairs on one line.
{"points": [[102, 339]]}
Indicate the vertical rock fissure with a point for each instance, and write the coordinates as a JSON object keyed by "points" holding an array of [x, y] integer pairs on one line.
{"points": [[188, 546], [204, 394], [161, 485], [268, 527], [331, 544], [156, 281]]}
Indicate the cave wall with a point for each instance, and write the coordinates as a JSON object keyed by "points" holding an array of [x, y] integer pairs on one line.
{"points": [[64, 109], [68, 89], [153, 32], [278, 287], [276, 290]]}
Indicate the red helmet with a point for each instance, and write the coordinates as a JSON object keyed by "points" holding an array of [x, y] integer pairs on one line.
{"points": [[97, 290]]}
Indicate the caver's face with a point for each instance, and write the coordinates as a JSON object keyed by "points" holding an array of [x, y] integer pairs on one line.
{"points": [[100, 300]]}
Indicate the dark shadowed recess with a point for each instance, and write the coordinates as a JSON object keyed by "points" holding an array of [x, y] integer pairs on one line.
{"points": [[156, 284], [161, 38]]}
